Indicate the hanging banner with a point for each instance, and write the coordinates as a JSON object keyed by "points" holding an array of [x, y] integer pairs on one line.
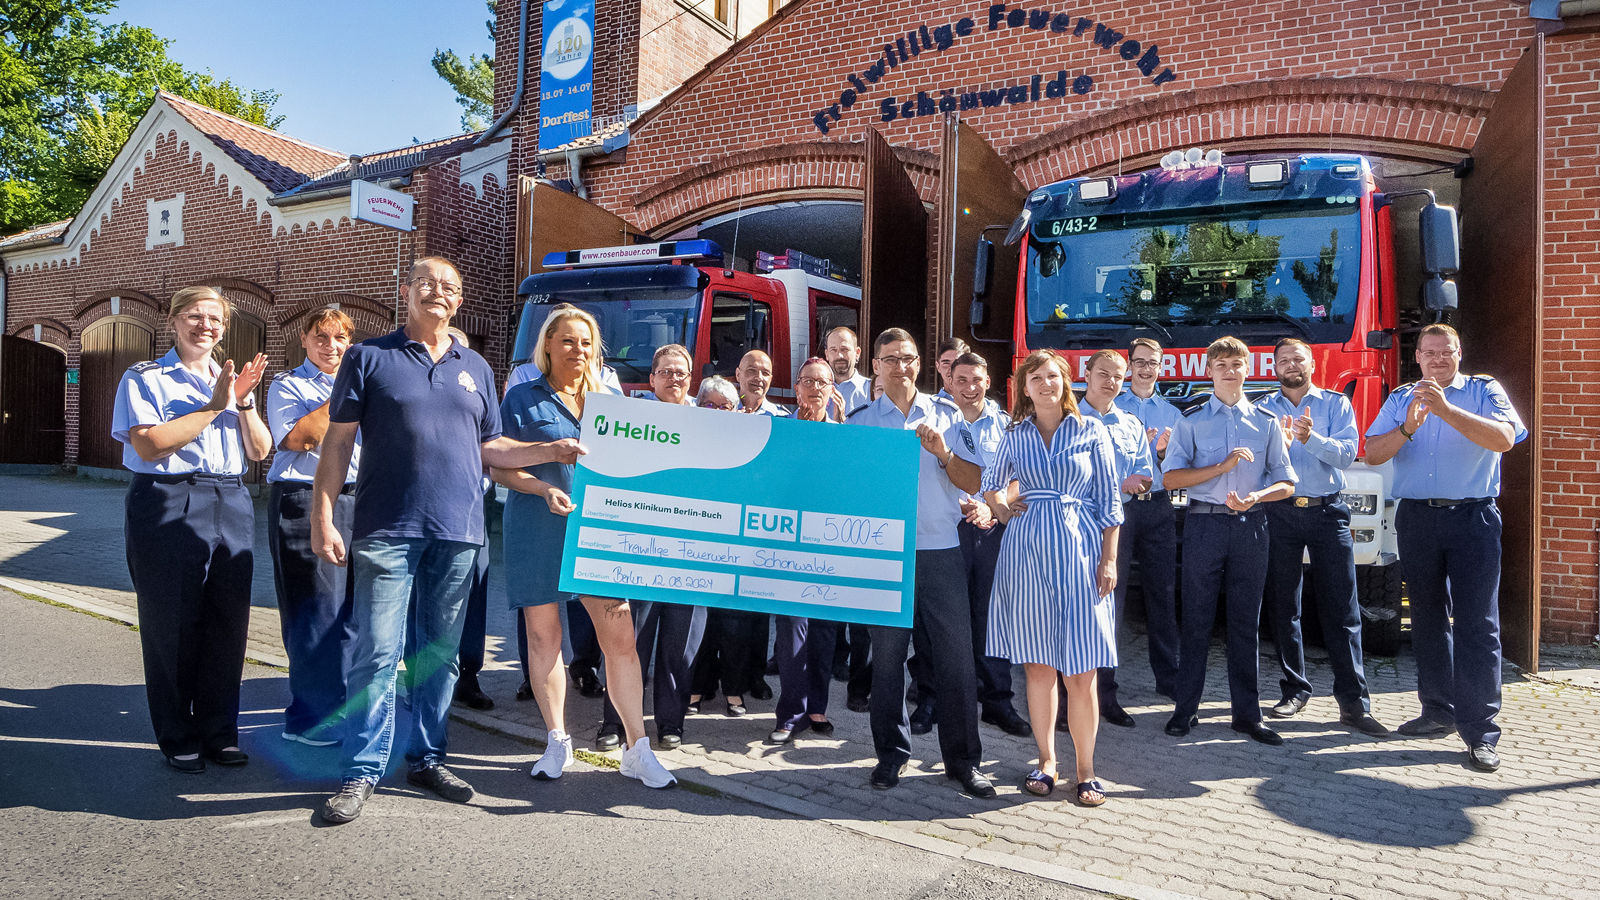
{"points": [[566, 77], [711, 508]]}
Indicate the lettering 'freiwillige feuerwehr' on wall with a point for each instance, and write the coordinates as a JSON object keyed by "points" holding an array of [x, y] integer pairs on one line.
{"points": [[1024, 88]]}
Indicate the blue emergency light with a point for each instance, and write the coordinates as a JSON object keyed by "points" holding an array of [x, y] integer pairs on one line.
{"points": [[668, 251]]}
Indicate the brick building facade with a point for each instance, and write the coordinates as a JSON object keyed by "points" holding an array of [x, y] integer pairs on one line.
{"points": [[781, 116]]}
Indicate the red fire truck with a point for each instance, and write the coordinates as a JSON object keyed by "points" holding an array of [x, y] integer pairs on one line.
{"points": [[1260, 248], [678, 292]]}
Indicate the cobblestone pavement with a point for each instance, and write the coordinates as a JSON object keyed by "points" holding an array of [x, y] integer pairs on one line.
{"points": [[1330, 814]]}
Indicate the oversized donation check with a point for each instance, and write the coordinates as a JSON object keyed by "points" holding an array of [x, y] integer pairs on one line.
{"points": [[713, 508]]}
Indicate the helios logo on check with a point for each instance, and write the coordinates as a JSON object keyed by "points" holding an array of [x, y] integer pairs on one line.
{"points": [[685, 505]]}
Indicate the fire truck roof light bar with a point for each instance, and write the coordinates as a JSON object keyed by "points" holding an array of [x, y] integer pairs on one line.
{"points": [[635, 253], [1267, 174]]}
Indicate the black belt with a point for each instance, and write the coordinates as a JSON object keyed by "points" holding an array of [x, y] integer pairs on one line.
{"points": [[1148, 495], [287, 486], [193, 478], [1303, 502], [1438, 503], [1218, 509]]}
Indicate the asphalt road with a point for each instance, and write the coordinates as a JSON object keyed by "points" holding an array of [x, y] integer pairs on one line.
{"points": [[88, 809]]}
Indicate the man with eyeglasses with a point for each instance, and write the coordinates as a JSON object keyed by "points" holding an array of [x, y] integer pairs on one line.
{"points": [[1149, 536], [429, 404], [941, 619], [1445, 434]]}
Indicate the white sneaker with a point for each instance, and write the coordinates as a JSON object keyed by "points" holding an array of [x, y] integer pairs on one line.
{"points": [[308, 741], [640, 762], [557, 757]]}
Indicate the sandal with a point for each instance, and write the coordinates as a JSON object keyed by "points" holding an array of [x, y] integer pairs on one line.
{"points": [[1039, 784], [1091, 793]]}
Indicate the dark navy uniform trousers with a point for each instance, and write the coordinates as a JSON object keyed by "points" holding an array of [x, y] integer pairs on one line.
{"points": [[314, 600], [1323, 531], [190, 542], [943, 623], [1149, 536], [1450, 558], [1223, 555], [671, 632]]}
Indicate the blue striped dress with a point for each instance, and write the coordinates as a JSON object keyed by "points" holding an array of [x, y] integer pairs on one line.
{"points": [[1044, 608]]}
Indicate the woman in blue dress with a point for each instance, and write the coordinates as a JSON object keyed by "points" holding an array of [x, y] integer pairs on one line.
{"points": [[1052, 609], [548, 408]]}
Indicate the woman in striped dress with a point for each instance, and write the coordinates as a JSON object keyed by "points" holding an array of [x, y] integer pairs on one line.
{"points": [[1052, 609]]}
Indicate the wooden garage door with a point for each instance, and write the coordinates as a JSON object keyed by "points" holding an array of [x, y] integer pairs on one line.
{"points": [[33, 398], [110, 346]]}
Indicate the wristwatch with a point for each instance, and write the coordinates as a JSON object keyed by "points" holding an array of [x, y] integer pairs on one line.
{"points": [[242, 407]]}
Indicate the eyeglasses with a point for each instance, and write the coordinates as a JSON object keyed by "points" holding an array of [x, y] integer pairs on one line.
{"points": [[1146, 363], [904, 362], [712, 404], [442, 288], [808, 381], [674, 374], [1438, 354], [195, 320]]}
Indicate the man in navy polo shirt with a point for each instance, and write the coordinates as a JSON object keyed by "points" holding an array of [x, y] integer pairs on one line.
{"points": [[426, 406]]}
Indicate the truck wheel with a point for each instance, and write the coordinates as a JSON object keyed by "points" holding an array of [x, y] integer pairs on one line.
{"points": [[1378, 589]]}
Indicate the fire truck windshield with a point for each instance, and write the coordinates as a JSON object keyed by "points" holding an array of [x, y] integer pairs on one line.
{"points": [[634, 321], [1185, 277]]}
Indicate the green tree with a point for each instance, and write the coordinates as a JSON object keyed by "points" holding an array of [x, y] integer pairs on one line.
{"points": [[72, 86], [473, 80]]}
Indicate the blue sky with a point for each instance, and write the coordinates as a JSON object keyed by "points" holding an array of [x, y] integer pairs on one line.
{"points": [[354, 74]]}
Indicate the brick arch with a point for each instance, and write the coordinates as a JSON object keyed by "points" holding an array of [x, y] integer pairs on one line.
{"points": [[155, 308], [56, 333], [1421, 120], [369, 315], [248, 297], [810, 170]]}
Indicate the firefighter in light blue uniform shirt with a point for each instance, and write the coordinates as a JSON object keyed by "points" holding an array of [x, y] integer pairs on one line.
{"points": [[1149, 533], [1321, 427], [1231, 457], [314, 595], [1136, 470], [843, 353], [942, 606], [188, 425], [1446, 434]]}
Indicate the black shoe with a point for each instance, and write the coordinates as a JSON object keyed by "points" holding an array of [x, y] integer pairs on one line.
{"points": [[822, 729], [587, 682], [187, 766], [693, 709], [974, 783], [886, 775], [1483, 757], [668, 741], [441, 781], [1178, 726], [922, 718], [1008, 721], [857, 704], [734, 710], [1422, 726], [1259, 732], [1364, 723], [1062, 725], [1287, 707], [234, 757], [761, 690], [525, 693], [346, 805], [471, 695], [608, 738], [1116, 715], [841, 672]]}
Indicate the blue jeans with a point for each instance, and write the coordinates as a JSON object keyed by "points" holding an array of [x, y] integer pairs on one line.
{"points": [[389, 572]]}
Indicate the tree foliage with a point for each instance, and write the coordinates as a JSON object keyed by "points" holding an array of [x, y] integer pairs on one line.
{"points": [[473, 79], [72, 87]]}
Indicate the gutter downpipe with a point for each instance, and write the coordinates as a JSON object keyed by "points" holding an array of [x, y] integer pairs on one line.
{"points": [[522, 77]]}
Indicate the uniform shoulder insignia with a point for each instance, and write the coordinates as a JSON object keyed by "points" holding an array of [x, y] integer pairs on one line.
{"points": [[858, 409], [1487, 379], [146, 366], [946, 403]]}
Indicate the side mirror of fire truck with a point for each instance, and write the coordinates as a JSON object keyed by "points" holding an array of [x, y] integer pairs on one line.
{"points": [[1441, 256], [982, 270]]}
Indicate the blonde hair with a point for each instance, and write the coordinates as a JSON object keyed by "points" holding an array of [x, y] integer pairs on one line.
{"points": [[326, 316], [1227, 347], [1038, 359], [189, 296], [561, 312]]}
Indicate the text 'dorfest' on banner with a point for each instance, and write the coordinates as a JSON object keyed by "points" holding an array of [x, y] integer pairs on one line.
{"points": [[712, 508], [566, 75]]}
